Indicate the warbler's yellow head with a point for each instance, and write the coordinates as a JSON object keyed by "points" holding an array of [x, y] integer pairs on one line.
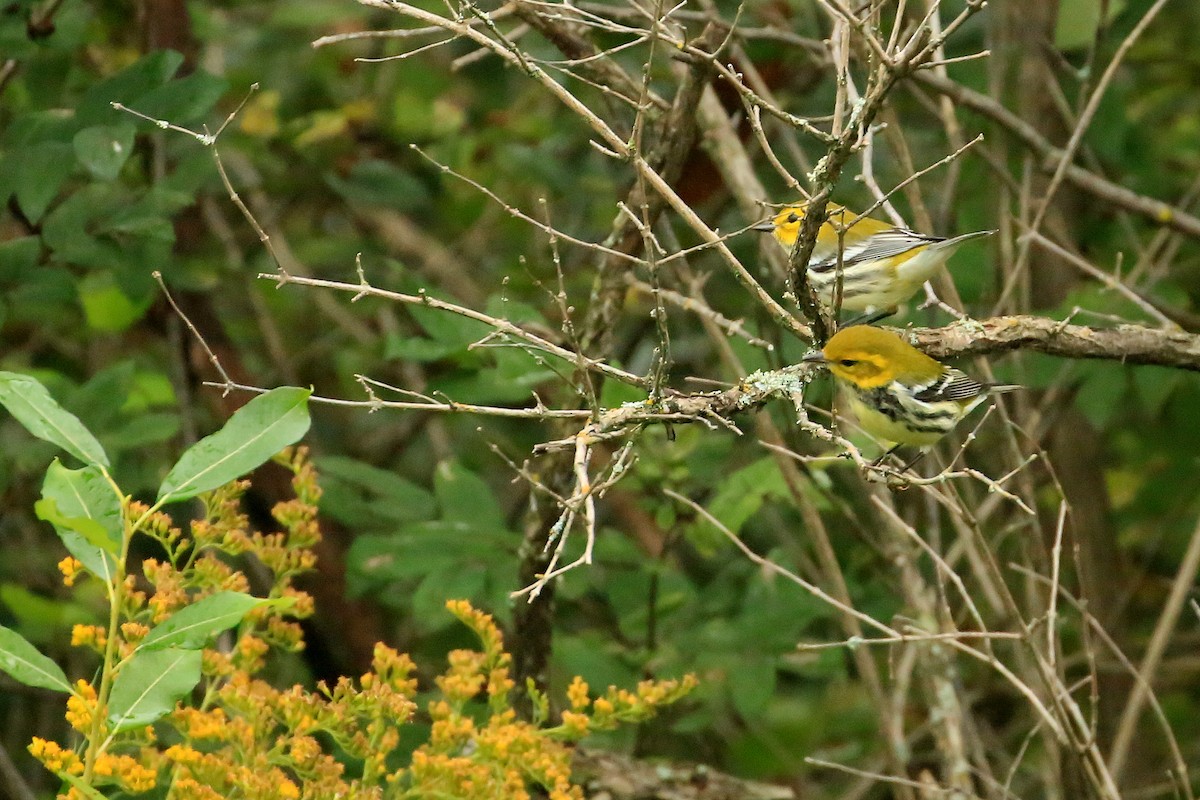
{"points": [[869, 357], [786, 225]]}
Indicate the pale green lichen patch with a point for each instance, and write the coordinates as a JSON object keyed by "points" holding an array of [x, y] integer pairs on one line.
{"points": [[786, 382]]}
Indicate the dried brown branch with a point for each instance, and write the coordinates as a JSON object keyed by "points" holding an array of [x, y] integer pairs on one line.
{"points": [[1127, 344], [613, 776]]}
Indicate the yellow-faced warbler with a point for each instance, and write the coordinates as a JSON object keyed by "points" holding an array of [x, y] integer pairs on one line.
{"points": [[881, 265], [898, 393]]}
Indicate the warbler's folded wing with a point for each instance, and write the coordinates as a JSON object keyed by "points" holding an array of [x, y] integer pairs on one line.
{"points": [[885, 244], [953, 385]]}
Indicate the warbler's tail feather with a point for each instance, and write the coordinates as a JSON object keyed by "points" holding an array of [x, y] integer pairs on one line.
{"points": [[957, 240]]}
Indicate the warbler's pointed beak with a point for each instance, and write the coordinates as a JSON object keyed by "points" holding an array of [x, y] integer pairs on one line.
{"points": [[764, 227], [814, 357]]}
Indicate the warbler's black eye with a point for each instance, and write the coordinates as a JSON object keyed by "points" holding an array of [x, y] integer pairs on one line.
{"points": [[792, 217], [847, 362]]}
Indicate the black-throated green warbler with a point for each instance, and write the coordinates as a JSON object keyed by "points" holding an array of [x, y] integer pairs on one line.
{"points": [[898, 393], [881, 265]]}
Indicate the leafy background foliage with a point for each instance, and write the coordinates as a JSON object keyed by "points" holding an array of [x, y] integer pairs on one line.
{"points": [[423, 507]]}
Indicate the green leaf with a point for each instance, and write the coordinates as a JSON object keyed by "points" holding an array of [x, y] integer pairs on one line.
{"points": [[191, 627], [149, 389], [148, 685], [739, 498], [32, 405], [449, 329], [94, 399], [379, 561], [1154, 387], [147, 217], [402, 347], [146, 428], [69, 229], [104, 149], [454, 582], [376, 182], [363, 496], [515, 311], [184, 100], [32, 127], [257, 431], [84, 788], [18, 257], [85, 494], [595, 658], [92, 531], [465, 497], [145, 74], [24, 663], [751, 684], [42, 171], [105, 306]]}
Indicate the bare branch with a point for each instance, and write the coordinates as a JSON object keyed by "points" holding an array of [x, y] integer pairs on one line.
{"points": [[1128, 344]]}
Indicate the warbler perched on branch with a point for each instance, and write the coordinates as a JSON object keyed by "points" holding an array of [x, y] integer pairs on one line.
{"points": [[898, 393], [881, 265]]}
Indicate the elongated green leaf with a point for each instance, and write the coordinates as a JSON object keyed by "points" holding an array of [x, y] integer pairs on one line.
{"points": [[28, 401], [85, 494], [257, 431], [191, 627], [24, 663], [84, 788], [147, 686], [48, 511]]}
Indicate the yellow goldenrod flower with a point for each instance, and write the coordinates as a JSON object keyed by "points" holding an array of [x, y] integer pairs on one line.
{"points": [[879, 265], [81, 706], [126, 771], [92, 636], [55, 757], [577, 694], [70, 568], [898, 393]]}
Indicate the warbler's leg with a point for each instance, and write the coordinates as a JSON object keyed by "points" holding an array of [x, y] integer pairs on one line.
{"points": [[879, 461], [869, 319], [920, 454]]}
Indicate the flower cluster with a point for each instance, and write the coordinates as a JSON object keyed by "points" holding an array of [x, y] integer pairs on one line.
{"points": [[494, 754], [245, 737]]}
